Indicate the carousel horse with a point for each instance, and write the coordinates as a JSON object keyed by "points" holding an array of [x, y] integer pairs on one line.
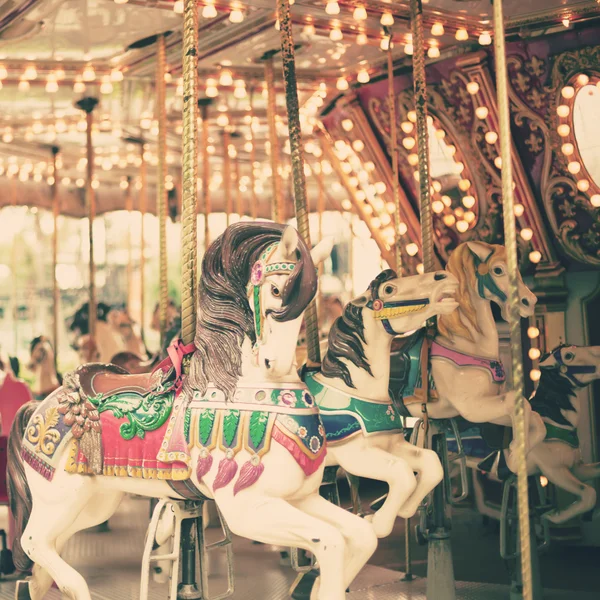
{"points": [[563, 371], [240, 427], [364, 431], [132, 362], [115, 333], [43, 367], [466, 376]]}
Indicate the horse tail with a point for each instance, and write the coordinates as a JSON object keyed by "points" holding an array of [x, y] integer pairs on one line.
{"points": [[19, 494]]}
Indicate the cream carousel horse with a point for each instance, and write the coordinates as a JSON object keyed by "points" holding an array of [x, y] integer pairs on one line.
{"points": [[240, 428], [564, 370], [467, 376], [364, 432], [43, 367]]}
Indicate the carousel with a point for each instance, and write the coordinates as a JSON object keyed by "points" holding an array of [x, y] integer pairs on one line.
{"points": [[299, 299]]}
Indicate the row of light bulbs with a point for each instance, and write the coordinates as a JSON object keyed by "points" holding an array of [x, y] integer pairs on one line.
{"points": [[209, 11]]}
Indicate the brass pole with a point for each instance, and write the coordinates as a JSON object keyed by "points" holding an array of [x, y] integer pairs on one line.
{"points": [[129, 209], [394, 156], [297, 158], [143, 208], [420, 94], [253, 198], [190, 171], [277, 213], [239, 208], [510, 241], [206, 204], [88, 105], [227, 175], [161, 190], [55, 291]]}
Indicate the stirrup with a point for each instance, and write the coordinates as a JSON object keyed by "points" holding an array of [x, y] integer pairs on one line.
{"points": [[183, 510]]}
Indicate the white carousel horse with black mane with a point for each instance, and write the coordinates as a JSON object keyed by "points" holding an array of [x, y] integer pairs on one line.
{"points": [[240, 428], [364, 432], [43, 366], [467, 376], [564, 370]]}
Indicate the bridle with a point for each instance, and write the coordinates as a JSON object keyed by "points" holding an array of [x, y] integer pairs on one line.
{"points": [[485, 281], [260, 271], [384, 311], [569, 371]]}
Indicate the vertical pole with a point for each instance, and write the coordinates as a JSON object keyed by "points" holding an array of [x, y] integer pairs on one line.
{"points": [[253, 198], [277, 214], [510, 241], [55, 292], [129, 209], [239, 208], [394, 155], [408, 575], [297, 156], [161, 191], [143, 207], [15, 279], [88, 105], [205, 173], [227, 175], [420, 94]]}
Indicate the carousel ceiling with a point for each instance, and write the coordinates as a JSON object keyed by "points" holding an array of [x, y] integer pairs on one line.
{"points": [[55, 52]]}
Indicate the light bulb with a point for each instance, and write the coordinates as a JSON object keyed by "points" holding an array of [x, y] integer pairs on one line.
{"points": [[106, 87], [433, 52], [385, 43], [437, 206], [336, 35], [332, 8], [23, 85], [51, 85], [535, 375], [462, 35], [563, 110], [583, 185], [79, 87], [309, 29], [360, 13], [568, 92], [30, 72], [412, 249], [464, 185], [88, 73], [116, 75], [449, 220], [3, 72], [437, 29], [526, 234], [574, 167], [498, 162], [407, 126], [535, 256], [595, 200], [533, 332], [567, 149], [209, 11], [583, 79], [347, 124], [342, 84], [236, 16], [468, 201], [408, 49], [481, 112], [485, 39], [472, 87], [387, 19], [491, 137], [462, 226], [362, 39], [226, 78], [409, 143], [566, 22], [411, 115], [518, 209], [363, 76], [563, 130]]}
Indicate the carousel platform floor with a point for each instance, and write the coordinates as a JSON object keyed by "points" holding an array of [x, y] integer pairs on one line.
{"points": [[110, 562]]}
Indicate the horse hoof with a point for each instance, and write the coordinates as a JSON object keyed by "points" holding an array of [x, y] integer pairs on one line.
{"points": [[302, 587], [22, 590]]}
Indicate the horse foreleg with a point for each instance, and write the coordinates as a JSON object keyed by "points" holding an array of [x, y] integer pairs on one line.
{"points": [[429, 473], [275, 521], [360, 537], [375, 463], [563, 478], [586, 471]]}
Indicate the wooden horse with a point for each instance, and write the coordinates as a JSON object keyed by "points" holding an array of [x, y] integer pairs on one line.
{"points": [[364, 431], [467, 374], [564, 371], [240, 427], [42, 365]]}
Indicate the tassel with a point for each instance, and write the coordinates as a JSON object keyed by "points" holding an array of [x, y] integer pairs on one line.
{"points": [[204, 465], [90, 446], [249, 474], [227, 470]]}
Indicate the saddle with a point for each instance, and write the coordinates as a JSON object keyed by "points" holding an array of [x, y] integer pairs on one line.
{"points": [[99, 378]]}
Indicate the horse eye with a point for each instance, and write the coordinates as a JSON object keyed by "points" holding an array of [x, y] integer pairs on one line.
{"points": [[275, 291], [498, 270], [569, 356], [389, 289]]}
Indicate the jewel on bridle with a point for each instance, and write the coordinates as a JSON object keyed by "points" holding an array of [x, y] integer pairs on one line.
{"points": [[257, 276]]}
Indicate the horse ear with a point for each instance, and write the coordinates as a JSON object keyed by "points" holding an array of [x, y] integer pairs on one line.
{"points": [[361, 301], [322, 250], [480, 249], [289, 243]]}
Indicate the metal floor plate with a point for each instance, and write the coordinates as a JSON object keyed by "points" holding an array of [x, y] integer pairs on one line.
{"points": [[110, 562]]}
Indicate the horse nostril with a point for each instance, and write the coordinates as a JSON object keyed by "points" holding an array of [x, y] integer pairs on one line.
{"points": [[525, 301], [439, 276], [267, 363]]}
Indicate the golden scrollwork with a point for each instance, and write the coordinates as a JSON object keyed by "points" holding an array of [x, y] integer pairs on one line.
{"points": [[41, 433]]}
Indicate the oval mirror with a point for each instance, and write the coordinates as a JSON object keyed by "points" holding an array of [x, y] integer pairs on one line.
{"points": [[586, 127]]}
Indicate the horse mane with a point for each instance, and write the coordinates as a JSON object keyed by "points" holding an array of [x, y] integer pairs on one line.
{"points": [[553, 393], [80, 319], [347, 339], [462, 265], [35, 341], [224, 314]]}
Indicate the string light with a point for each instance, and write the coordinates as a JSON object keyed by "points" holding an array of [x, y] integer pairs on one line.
{"points": [[491, 137], [563, 130], [51, 84], [342, 84], [518, 209], [412, 249], [106, 87], [566, 23], [209, 11], [236, 15], [526, 234], [30, 72], [485, 39], [3, 72], [563, 110], [433, 52], [78, 86], [583, 79], [226, 78], [332, 7], [362, 39], [535, 256], [360, 13], [472, 87], [533, 332], [88, 73], [481, 112], [116, 75], [309, 29], [336, 35], [568, 92], [595, 200], [408, 49], [387, 19], [461, 35], [23, 85], [437, 29], [363, 76]]}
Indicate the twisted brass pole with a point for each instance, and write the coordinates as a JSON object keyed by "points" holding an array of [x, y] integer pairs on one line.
{"points": [[510, 241], [253, 198], [88, 105], [206, 204], [190, 171], [227, 175], [143, 208], [297, 158], [277, 209], [55, 292], [420, 95], [239, 209], [129, 209], [394, 156], [161, 191]]}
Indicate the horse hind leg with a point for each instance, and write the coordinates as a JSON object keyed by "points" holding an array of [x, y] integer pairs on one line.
{"points": [[586, 471]]}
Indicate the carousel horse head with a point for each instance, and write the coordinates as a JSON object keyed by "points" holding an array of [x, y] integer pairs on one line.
{"points": [[482, 272], [173, 315], [78, 324], [40, 353], [257, 280], [403, 304], [580, 365]]}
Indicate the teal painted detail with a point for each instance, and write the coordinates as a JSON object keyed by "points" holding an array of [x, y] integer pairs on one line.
{"points": [[231, 421], [206, 421], [187, 421], [258, 426], [414, 375], [144, 413], [568, 436]]}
